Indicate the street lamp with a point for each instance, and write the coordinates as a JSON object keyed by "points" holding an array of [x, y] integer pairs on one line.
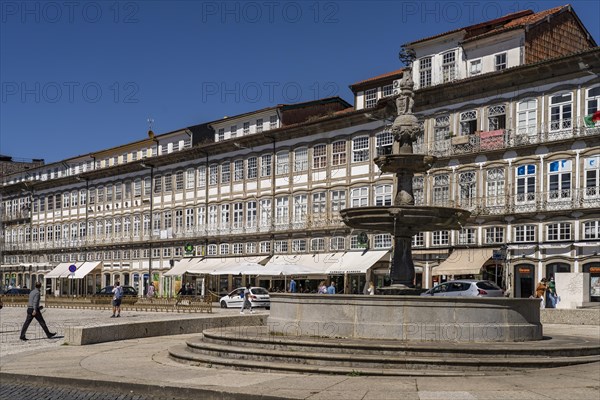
{"points": [[151, 168]]}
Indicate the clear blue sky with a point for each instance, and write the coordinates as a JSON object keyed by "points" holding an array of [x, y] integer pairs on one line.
{"points": [[80, 76]]}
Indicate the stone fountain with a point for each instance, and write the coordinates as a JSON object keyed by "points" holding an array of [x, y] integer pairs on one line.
{"points": [[401, 315], [403, 219]]}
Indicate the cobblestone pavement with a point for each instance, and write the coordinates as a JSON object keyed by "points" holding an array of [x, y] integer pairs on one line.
{"points": [[30, 391], [58, 319]]}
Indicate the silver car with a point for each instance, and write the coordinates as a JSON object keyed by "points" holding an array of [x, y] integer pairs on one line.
{"points": [[259, 297], [466, 288]]}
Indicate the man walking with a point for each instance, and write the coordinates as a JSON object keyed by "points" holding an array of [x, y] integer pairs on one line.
{"points": [[292, 286], [34, 311], [116, 302], [331, 288], [246, 303]]}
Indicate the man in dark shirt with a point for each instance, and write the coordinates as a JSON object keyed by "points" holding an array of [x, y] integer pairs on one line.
{"points": [[33, 311]]}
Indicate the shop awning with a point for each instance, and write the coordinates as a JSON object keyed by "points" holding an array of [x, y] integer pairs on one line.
{"points": [[356, 262], [298, 264], [209, 265], [85, 269], [61, 270], [181, 266], [463, 262], [243, 267]]}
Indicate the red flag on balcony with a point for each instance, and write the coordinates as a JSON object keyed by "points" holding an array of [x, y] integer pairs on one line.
{"points": [[592, 120]]}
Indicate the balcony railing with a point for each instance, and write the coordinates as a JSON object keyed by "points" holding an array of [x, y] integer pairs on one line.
{"points": [[502, 139]]}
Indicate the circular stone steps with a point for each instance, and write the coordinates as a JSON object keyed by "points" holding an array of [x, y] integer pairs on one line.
{"points": [[254, 348]]}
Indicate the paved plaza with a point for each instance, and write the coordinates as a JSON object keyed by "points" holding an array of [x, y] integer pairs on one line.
{"points": [[141, 369]]}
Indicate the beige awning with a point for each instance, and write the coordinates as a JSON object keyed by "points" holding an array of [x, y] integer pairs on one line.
{"points": [[86, 268], [181, 266], [356, 262], [463, 262]]}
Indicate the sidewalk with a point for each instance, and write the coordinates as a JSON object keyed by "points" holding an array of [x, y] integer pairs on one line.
{"points": [[142, 366]]}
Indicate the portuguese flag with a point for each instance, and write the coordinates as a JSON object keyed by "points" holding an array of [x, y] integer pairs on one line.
{"points": [[592, 120]]}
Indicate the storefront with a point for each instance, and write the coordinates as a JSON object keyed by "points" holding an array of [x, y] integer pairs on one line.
{"points": [[593, 269]]}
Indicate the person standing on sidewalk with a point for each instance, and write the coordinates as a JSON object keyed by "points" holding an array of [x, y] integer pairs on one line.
{"points": [[34, 311], [117, 297], [246, 303]]}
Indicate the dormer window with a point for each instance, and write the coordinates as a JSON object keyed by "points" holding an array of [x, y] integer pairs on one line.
{"points": [[233, 131], [221, 134], [500, 61], [449, 66], [425, 72], [370, 98], [475, 67]]}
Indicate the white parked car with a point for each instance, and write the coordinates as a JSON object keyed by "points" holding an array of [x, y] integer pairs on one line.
{"points": [[259, 297], [466, 288]]}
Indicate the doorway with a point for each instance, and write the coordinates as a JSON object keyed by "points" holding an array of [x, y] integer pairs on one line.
{"points": [[524, 282]]}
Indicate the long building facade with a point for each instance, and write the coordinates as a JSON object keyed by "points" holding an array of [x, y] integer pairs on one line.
{"points": [[250, 198]]}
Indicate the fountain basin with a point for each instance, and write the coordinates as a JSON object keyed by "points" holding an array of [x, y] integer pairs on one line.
{"points": [[407, 163], [406, 220], [406, 318]]}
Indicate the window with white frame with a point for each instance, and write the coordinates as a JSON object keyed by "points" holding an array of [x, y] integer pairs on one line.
{"points": [[238, 248], [238, 170], [382, 241], [225, 172], [558, 231], [441, 189], [212, 218], [440, 238], [201, 218], [168, 219], [561, 112], [449, 66], [525, 183], [273, 122], [246, 128], [370, 98], [265, 247], [300, 208], [467, 184], [238, 216], [283, 163], [441, 128], [495, 187], [280, 246], [497, 117], [524, 233], [282, 210], [252, 171], [338, 201], [317, 244], [212, 250], [168, 182], [494, 234], [418, 240], [265, 165], [190, 178], [383, 195], [202, 176], [418, 190], [224, 248], [500, 61], [213, 174], [300, 159], [179, 181], [591, 166], [592, 100], [233, 131], [221, 134], [337, 243], [559, 180], [118, 194], [320, 156], [591, 230], [475, 67], [338, 153], [384, 140], [259, 125], [319, 206], [265, 213], [251, 214], [527, 117], [424, 72], [299, 246], [387, 90], [467, 236], [251, 248], [225, 216], [148, 185], [468, 122], [359, 197], [360, 149]]}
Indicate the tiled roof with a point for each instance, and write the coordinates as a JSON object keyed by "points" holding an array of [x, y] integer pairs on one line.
{"points": [[510, 21], [378, 77]]}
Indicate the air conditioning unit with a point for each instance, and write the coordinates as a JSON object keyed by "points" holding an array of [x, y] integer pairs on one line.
{"points": [[396, 87]]}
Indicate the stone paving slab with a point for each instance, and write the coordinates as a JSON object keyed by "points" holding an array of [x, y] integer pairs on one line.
{"points": [[143, 364]]}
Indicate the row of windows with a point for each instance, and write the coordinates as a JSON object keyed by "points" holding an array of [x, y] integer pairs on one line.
{"points": [[246, 128]]}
